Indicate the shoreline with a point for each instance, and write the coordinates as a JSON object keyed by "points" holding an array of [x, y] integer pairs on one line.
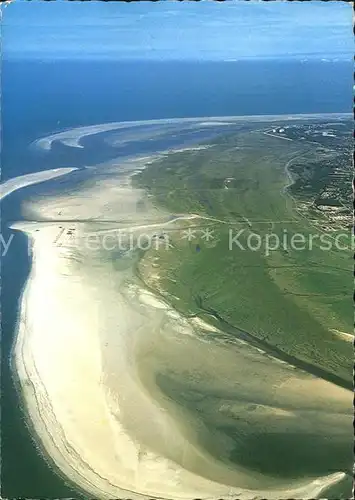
{"points": [[315, 486], [319, 485], [16, 183], [25, 412], [18, 428], [71, 137], [53, 271]]}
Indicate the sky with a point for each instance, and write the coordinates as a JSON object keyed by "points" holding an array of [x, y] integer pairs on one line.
{"points": [[171, 30]]}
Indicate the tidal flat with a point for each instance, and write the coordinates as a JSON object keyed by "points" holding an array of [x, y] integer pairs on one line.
{"points": [[132, 389]]}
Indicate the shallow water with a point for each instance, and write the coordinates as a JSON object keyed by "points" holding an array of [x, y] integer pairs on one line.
{"points": [[193, 392]]}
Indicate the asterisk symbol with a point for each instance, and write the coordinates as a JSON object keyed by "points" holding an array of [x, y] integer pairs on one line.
{"points": [[189, 234], [207, 234]]}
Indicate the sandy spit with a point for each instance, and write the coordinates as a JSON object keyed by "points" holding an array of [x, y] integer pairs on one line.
{"points": [[82, 322], [22, 181]]}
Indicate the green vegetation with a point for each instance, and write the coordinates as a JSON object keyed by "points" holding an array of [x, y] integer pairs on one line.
{"points": [[296, 300]]}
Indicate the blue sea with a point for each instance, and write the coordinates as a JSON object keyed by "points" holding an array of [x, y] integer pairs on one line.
{"points": [[41, 98]]}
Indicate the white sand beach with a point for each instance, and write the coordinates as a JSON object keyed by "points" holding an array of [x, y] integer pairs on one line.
{"points": [[90, 341], [22, 181]]}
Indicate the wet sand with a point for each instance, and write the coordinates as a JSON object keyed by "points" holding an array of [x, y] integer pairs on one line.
{"points": [[92, 343], [12, 185], [72, 137]]}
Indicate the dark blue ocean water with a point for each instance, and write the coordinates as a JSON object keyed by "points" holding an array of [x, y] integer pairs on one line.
{"points": [[40, 98]]}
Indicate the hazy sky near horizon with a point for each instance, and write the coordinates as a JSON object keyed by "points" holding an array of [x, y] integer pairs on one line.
{"points": [[167, 30]]}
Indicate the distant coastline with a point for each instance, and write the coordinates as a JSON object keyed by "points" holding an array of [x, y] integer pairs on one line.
{"points": [[277, 117]]}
